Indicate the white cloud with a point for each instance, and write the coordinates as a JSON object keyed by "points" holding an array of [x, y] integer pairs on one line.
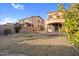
{"points": [[7, 20], [18, 6]]}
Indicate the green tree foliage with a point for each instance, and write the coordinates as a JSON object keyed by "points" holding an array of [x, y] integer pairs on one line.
{"points": [[71, 24], [60, 7], [17, 29]]}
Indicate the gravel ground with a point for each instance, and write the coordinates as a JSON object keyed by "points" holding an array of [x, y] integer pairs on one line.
{"points": [[35, 44]]}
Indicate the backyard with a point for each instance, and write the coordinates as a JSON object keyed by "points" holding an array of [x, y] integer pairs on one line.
{"points": [[36, 44]]}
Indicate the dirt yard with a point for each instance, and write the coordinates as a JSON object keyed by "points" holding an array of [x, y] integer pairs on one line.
{"points": [[35, 44]]}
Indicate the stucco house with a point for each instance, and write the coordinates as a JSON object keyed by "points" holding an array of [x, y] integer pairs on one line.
{"points": [[32, 24], [54, 21]]}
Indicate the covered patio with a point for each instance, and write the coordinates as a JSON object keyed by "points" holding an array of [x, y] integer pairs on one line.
{"points": [[53, 27]]}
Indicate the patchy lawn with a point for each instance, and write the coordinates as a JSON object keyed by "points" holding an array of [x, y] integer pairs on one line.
{"points": [[35, 44]]}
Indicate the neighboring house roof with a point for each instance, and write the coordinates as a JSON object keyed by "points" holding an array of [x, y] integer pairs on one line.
{"points": [[29, 19], [38, 17]]}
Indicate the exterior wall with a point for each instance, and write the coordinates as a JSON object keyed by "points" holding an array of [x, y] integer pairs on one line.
{"points": [[27, 29], [54, 17], [36, 22], [1, 29]]}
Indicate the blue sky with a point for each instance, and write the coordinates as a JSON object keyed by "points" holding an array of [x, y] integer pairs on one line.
{"points": [[10, 12]]}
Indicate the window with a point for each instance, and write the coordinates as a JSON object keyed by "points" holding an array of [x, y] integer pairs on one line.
{"points": [[55, 14], [32, 25], [58, 17], [28, 24], [41, 27], [33, 30], [38, 25], [61, 16], [38, 21]]}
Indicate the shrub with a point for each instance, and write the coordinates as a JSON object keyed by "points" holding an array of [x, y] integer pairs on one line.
{"points": [[17, 29], [7, 31], [71, 24]]}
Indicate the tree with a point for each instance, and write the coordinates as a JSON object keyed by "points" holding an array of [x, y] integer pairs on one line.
{"points": [[61, 7], [63, 10], [17, 29], [71, 24]]}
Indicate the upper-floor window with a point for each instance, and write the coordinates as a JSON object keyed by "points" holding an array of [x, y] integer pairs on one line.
{"points": [[32, 25], [55, 14], [38, 21], [38, 25], [58, 17], [41, 26], [28, 24]]}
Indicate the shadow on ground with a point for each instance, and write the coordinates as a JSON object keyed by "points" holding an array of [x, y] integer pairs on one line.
{"points": [[42, 50]]}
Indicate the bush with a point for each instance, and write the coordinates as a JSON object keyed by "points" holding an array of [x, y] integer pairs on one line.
{"points": [[71, 24], [17, 29], [7, 31]]}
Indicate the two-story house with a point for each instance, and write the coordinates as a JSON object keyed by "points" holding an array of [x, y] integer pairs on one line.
{"points": [[54, 21], [31, 24]]}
